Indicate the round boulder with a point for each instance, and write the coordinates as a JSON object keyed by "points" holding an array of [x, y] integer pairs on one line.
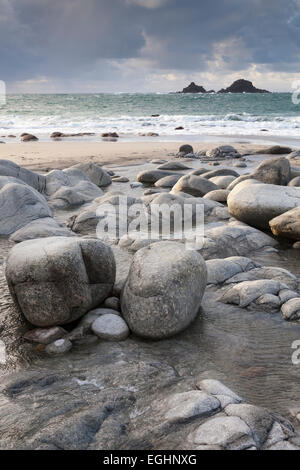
{"points": [[257, 204], [164, 289], [57, 280], [186, 149]]}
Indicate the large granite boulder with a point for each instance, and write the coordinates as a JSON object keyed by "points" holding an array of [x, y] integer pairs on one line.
{"points": [[257, 204], [41, 228], [56, 280], [20, 204], [273, 171], [95, 173], [8, 168], [164, 289], [69, 188], [195, 185], [235, 239], [288, 224]]}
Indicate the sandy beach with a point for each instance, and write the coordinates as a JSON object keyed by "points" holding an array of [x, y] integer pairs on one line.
{"points": [[42, 156]]}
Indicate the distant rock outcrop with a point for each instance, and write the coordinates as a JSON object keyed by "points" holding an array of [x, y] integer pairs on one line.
{"points": [[193, 88], [242, 86]]}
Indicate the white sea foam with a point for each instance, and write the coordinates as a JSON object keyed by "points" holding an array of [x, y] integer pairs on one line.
{"points": [[129, 114], [164, 125]]}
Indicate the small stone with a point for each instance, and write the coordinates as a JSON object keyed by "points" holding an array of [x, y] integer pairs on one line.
{"points": [[185, 149], [291, 309], [120, 179], [187, 405], [113, 303], [110, 327], [60, 346], [45, 335], [240, 165]]}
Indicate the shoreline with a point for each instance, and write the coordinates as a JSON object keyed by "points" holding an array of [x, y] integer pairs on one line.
{"points": [[42, 156]]}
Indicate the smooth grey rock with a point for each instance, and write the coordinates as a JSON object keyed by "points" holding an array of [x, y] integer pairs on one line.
{"points": [[188, 405], [234, 240], [291, 309], [219, 195], [219, 270], [219, 172], [247, 179], [222, 181], [295, 182], [186, 149], [120, 179], [269, 272], [223, 151], [58, 347], [164, 289], [216, 388], [56, 280], [174, 166], [274, 150], [45, 335], [244, 293], [110, 327], [287, 294], [287, 224], [151, 176], [41, 228], [199, 171], [95, 173], [240, 165], [259, 420], [69, 188], [270, 301], [88, 218], [168, 181], [20, 204], [195, 185], [258, 204], [113, 303], [229, 432], [273, 171], [221, 213], [36, 181]]}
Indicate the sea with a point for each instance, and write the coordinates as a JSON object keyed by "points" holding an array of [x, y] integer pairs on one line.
{"points": [[273, 115]]}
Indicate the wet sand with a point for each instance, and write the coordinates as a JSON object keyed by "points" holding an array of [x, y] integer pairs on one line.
{"points": [[42, 156]]}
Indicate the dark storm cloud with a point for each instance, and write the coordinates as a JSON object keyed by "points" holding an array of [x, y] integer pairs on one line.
{"points": [[63, 38]]}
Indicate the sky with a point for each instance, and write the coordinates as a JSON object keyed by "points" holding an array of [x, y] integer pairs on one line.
{"points": [[86, 46]]}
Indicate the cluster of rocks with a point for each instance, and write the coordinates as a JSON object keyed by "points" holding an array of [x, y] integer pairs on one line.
{"points": [[239, 86], [213, 155], [75, 291], [28, 199]]}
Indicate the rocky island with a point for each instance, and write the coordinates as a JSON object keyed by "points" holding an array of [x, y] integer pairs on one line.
{"points": [[242, 86], [239, 86], [193, 88]]}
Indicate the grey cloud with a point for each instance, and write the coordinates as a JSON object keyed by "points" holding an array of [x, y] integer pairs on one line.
{"points": [[65, 38]]}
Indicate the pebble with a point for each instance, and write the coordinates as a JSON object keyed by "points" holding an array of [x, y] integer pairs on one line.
{"points": [[110, 327], [45, 335], [59, 347]]}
